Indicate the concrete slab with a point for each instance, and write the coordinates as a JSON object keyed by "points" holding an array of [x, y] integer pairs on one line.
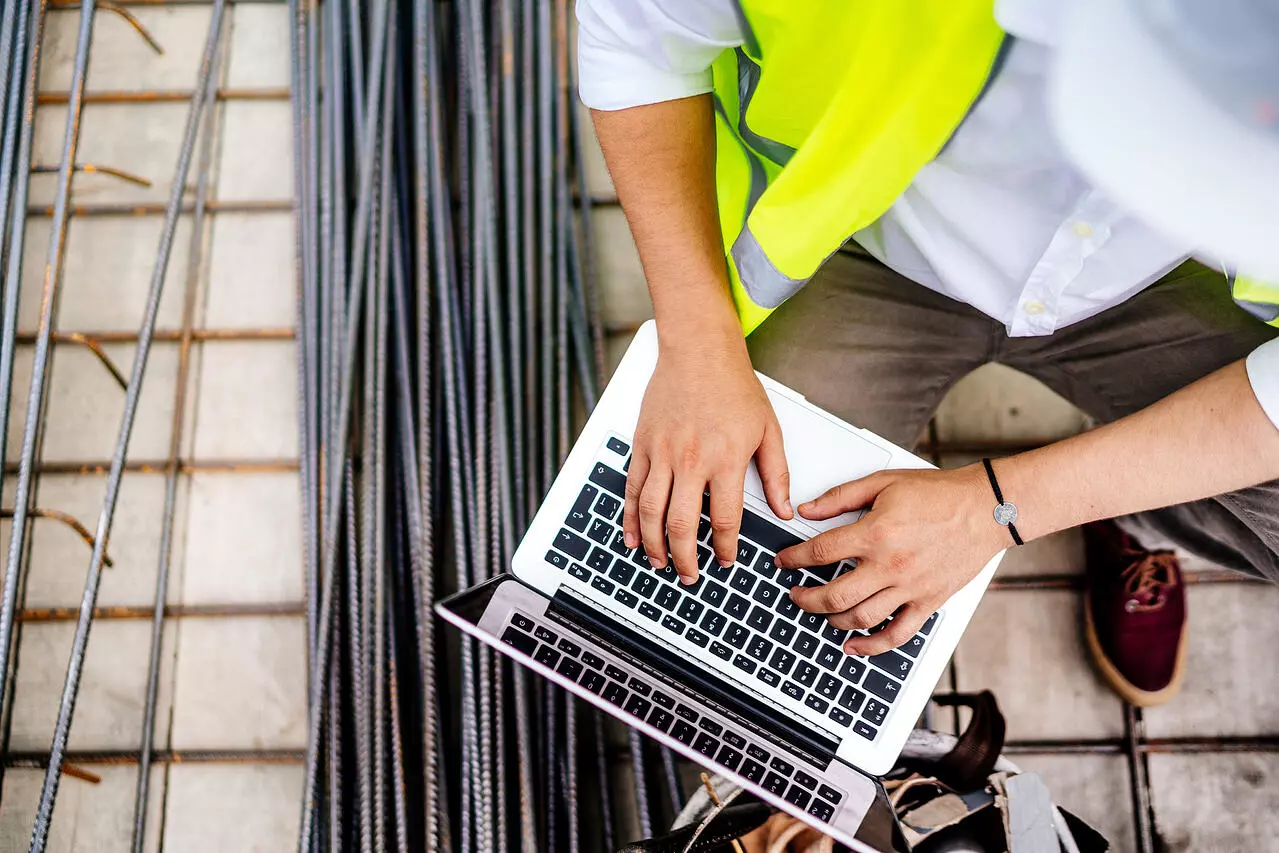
{"points": [[259, 46], [256, 151], [996, 401], [1093, 787], [119, 59], [219, 807], [624, 298], [1025, 647], [1231, 679], [240, 684], [1223, 803], [88, 818], [598, 180], [108, 713], [247, 400], [245, 539], [251, 272], [1059, 554]]}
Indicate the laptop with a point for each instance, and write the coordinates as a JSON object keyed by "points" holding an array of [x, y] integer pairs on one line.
{"points": [[728, 672]]}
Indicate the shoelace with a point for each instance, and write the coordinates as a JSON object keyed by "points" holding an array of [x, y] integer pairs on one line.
{"points": [[1146, 578]]}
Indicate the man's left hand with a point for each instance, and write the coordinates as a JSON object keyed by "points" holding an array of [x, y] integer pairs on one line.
{"points": [[925, 535]]}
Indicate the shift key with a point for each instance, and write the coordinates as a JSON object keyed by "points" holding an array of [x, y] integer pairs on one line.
{"points": [[605, 476]]}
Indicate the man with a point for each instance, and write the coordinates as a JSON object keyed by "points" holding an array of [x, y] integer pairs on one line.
{"points": [[1022, 184]]}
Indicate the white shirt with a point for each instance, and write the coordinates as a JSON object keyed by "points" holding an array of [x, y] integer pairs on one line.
{"points": [[1000, 219]]}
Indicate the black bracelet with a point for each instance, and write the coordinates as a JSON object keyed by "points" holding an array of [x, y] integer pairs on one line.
{"points": [[1005, 513]]}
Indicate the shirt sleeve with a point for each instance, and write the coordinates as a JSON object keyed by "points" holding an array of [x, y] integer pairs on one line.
{"points": [[635, 52], [1263, 373]]}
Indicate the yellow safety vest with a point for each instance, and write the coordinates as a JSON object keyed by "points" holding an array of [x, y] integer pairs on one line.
{"points": [[824, 117]]}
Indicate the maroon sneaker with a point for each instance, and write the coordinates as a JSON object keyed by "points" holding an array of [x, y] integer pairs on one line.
{"points": [[1134, 615]]}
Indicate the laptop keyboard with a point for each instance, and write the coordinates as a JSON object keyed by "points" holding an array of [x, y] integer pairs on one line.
{"points": [[659, 706], [742, 615]]}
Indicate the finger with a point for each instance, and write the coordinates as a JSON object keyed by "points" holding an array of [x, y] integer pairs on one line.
{"points": [[843, 593], [844, 497], [726, 514], [682, 516], [842, 543], [773, 472], [635, 477], [871, 610], [905, 625], [653, 501]]}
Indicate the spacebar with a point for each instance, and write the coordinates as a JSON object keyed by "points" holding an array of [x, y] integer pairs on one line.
{"points": [[766, 534]]}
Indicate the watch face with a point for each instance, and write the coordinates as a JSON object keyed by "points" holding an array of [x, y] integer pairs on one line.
{"points": [[1005, 513]]}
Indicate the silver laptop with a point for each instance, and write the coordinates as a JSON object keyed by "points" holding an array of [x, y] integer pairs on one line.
{"points": [[729, 672]]}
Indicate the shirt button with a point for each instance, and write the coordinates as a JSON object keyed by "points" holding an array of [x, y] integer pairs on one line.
{"points": [[1083, 230], [1034, 307]]}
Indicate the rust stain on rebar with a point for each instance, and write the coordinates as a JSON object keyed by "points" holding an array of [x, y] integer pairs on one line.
{"points": [[70, 521], [165, 96]]}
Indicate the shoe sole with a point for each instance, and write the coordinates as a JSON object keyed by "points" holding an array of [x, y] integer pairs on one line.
{"points": [[1129, 692]]}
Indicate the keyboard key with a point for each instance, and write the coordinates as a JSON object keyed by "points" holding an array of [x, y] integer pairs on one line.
{"points": [[805, 644], [662, 699], [852, 669], [525, 624], [569, 647], [737, 607], [599, 560], [928, 625], [613, 481], [745, 552], [793, 690], [720, 573], [546, 635], [826, 792], [712, 593], [865, 729], [644, 584], [765, 565], [894, 664], [769, 677], [760, 619], [826, 573], [520, 640], [625, 598], [782, 632], [744, 663], [572, 544], [882, 686], [729, 757], [817, 703], [615, 693], [618, 545], [580, 516], [757, 752], [852, 698], [737, 636], [667, 598], [842, 717], [913, 646], [875, 712], [640, 558], [626, 466], [828, 686], [734, 739], [661, 720], [579, 572], [608, 507], [616, 673], [753, 770], [834, 636], [821, 810], [707, 724], [786, 606], [622, 571], [689, 609], [569, 668], [743, 581], [774, 783], [788, 579], [714, 622], [703, 532], [805, 673], [593, 682], [683, 732], [697, 638], [781, 765], [618, 446], [766, 534], [706, 745], [830, 657], [814, 622], [767, 594], [593, 661], [601, 531], [721, 651], [759, 649], [687, 713], [798, 797], [556, 559], [603, 585], [782, 660], [670, 623], [639, 686], [648, 611]]}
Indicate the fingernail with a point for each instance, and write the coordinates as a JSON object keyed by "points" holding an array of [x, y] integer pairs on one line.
{"points": [[688, 580], [652, 561], [724, 564], [629, 539], [779, 562], [789, 509]]}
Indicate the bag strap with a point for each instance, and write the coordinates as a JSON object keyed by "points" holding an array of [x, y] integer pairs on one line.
{"points": [[970, 763]]}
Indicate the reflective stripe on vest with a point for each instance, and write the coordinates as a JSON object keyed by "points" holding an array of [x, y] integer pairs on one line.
{"points": [[1259, 298], [824, 119]]}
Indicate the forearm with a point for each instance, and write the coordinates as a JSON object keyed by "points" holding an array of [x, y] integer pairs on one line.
{"points": [[1209, 438], [662, 160]]}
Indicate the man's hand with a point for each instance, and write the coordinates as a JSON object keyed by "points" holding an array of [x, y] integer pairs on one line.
{"points": [[704, 416], [926, 535]]}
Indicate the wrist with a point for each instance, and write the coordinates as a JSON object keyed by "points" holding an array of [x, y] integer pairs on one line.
{"points": [[703, 335]]}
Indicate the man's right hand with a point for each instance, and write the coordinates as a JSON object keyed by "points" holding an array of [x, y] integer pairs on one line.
{"points": [[704, 416]]}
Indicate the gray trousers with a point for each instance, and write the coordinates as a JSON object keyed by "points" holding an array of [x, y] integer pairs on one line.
{"points": [[881, 351]]}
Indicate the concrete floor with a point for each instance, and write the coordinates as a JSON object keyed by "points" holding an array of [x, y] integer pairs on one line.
{"points": [[238, 683]]}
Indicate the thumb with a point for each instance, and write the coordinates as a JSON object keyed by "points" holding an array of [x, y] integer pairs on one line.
{"points": [[854, 494], [770, 458]]}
